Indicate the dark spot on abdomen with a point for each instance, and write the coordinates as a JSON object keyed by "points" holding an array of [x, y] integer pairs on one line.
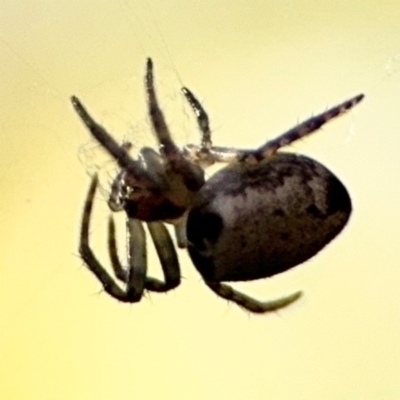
{"points": [[337, 197], [202, 227], [279, 212]]}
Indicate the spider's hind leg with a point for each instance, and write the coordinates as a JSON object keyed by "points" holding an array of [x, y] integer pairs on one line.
{"points": [[249, 303], [305, 128], [226, 154]]}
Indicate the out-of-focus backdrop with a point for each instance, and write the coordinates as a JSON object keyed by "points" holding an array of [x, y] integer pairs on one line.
{"points": [[259, 67]]}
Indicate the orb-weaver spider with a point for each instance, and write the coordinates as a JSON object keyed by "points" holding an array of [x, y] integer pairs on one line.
{"points": [[265, 212]]}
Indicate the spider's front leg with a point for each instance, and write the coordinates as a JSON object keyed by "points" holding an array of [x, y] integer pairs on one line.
{"points": [[135, 276], [108, 282]]}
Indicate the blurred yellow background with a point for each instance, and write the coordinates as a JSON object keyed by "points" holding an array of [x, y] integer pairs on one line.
{"points": [[259, 67]]}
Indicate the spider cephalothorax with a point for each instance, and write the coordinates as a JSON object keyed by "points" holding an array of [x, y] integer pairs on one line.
{"points": [[262, 214]]}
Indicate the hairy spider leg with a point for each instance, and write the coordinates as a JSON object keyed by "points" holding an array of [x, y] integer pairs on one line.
{"points": [[202, 119], [191, 175], [249, 303], [168, 258], [305, 128], [135, 276], [202, 154], [206, 154], [227, 154], [117, 151], [87, 254], [164, 247]]}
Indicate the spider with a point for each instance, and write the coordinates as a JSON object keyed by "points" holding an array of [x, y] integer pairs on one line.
{"points": [[265, 212]]}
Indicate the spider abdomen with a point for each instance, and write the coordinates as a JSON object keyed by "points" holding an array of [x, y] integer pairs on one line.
{"points": [[256, 220]]}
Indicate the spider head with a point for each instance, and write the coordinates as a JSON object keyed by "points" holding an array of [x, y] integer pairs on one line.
{"points": [[155, 186], [150, 190]]}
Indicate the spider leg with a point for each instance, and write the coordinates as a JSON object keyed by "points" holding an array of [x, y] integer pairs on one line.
{"points": [[202, 119], [137, 259], [120, 153], [305, 128], [136, 276], [202, 155], [191, 175], [120, 272], [180, 232], [249, 303], [137, 256], [227, 154], [168, 258], [87, 254], [206, 154]]}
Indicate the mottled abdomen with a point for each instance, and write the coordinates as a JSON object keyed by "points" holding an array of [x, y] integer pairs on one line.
{"points": [[253, 221]]}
